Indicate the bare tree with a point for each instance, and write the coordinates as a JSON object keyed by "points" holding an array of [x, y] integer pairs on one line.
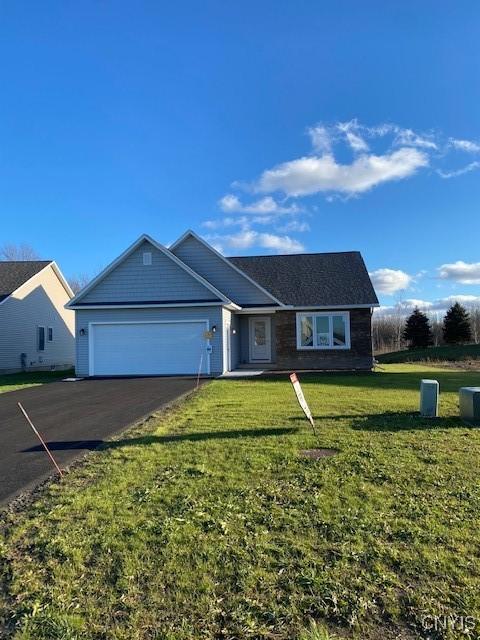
{"points": [[78, 281], [387, 331], [475, 322], [17, 252]]}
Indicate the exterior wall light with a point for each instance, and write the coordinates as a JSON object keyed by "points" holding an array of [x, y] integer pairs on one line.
{"points": [[214, 328], [82, 332]]}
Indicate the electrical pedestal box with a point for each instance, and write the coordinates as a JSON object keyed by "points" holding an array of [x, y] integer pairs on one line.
{"points": [[429, 398], [469, 401]]}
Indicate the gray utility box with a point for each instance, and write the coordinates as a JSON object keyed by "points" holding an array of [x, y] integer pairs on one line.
{"points": [[469, 401], [429, 398]]}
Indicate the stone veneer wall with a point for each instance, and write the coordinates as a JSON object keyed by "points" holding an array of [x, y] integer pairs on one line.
{"points": [[359, 356]]}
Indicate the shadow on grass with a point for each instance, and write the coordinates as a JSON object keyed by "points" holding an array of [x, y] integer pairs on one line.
{"points": [[65, 445], [449, 381], [34, 377], [391, 421]]}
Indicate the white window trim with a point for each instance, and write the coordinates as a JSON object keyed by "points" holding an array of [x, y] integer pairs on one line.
{"points": [[315, 314]]}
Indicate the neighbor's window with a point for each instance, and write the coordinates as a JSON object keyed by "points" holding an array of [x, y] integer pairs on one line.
{"points": [[41, 338], [323, 330], [147, 258], [50, 334]]}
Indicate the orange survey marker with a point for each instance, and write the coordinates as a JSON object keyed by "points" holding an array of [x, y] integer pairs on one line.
{"points": [[40, 438], [301, 399]]}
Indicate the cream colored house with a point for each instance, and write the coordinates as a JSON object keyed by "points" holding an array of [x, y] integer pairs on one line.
{"points": [[36, 331]]}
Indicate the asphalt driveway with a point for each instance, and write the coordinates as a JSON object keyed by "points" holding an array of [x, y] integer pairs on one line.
{"points": [[73, 417]]}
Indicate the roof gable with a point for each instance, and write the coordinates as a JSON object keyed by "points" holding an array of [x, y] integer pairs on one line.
{"points": [[13, 274], [313, 279], [165, 281], [220, 272]]}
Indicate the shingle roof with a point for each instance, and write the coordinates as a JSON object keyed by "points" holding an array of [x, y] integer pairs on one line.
{"points": [[14, 274], [309, 279]]}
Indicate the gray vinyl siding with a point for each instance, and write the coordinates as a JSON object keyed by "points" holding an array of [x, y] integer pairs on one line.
{"points": [[163, 280], [39, 302], [219, 273], [213, 314]]}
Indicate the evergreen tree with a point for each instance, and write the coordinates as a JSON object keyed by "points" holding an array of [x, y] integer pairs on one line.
{"points": [[418, 332], [456, 325]]}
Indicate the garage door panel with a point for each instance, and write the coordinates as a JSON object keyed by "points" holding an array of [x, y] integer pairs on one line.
{"points": [[149, 348]]}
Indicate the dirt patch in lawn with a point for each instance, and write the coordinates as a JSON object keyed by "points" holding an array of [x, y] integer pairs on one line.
{"points": [[315, 454]]}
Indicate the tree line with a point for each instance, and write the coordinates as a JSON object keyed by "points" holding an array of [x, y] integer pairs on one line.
{"points": [[419, 329], [25, 252]]}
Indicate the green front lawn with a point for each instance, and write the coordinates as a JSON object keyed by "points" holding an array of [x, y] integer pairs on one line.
{"points": [[444, 353], [14, 381], [208, 524]]}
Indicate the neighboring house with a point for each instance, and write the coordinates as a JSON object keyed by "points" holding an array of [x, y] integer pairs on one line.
{"points": [[188, 309], [36, 331]]}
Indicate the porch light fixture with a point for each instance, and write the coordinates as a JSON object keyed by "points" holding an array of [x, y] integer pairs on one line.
{"points": [[234, 331], [82, 332], [214, 328]]}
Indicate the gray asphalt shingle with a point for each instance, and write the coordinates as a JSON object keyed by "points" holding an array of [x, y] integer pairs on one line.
{"points": [[14, 274], [309, 279]]}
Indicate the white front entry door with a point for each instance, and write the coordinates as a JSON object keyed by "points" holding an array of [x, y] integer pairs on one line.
{"points": [[260, 339]]}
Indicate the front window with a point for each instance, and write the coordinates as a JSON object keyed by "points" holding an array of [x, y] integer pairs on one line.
{"points": [[322, 330]]}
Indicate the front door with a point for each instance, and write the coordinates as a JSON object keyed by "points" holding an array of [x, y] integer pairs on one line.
{"points": [[260, 339]]}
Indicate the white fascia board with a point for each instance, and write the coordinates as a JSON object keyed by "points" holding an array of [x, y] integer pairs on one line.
{"points": [[338, 306], [81, 307], [47, 266], [183, 237], [260, 310], [62, 279], [145, 238]]}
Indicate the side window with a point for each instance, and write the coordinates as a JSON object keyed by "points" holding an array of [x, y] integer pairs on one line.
{"points": [[147, 258], [50, 334], [41, 338]]}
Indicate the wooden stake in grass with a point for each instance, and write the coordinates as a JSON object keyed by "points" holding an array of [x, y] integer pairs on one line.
{"points": [[301, 400], [40, 438], [199, 371]]}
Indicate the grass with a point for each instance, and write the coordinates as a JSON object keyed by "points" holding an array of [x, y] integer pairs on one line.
{"points": [[14, 381], [444, 353], [206, 523]]}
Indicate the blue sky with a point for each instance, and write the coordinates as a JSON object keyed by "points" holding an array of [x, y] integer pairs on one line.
{"points": [[265, 126]]}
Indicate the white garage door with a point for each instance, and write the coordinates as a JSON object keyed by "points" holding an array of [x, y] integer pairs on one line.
{"points": [[148, 348]]}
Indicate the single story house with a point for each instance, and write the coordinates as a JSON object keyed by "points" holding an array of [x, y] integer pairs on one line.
{"points": [[36, 330], [188, 309]]}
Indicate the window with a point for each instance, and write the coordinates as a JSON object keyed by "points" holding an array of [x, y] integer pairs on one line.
{"points": [[50, 334], [41, 338], [147, 258], [323, 330]]}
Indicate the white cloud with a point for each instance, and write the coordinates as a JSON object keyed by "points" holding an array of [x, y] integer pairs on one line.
{"points": [[351, 131], [407, 137], [388, 281], [248, 238], [463, 272], [294, 225], [440, 305], [465, 145], [314, 174], [458, 172], [232, 204], [321, 138]]}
